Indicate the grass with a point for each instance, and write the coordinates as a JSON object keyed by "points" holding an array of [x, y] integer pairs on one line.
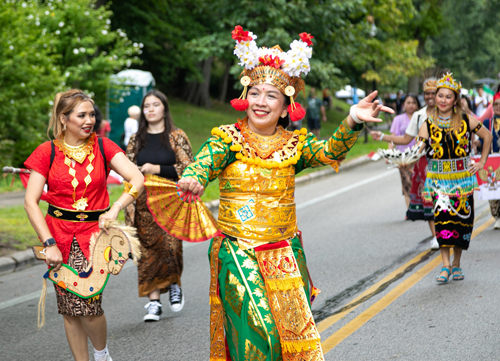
{"points": [[16, 232]]}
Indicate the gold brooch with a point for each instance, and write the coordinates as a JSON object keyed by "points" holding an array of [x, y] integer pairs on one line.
{"points": [[82, 216], [57, 213]]}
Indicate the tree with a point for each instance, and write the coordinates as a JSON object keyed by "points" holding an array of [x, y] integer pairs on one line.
{"points": [[47, 47], [469, 44]]}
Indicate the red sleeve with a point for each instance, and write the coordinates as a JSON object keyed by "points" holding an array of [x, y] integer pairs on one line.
{"points": [[39, 160], [110, 149]]}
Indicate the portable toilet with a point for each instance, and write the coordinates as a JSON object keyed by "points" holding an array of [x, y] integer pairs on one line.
{"points": [[128, 88]]}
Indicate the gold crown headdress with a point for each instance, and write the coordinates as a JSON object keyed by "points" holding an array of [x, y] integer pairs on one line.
{"points": [[273, 66], [448, 82], [430, 84]]}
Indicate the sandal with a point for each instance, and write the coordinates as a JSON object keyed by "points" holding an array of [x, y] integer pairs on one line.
{"points": [[442, 279], [459, 276]]}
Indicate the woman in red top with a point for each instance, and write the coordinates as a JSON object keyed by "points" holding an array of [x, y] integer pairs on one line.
{"points": [[75, 167]]}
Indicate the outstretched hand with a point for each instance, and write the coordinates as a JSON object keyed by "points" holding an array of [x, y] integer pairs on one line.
{"points": [[368, 109]]}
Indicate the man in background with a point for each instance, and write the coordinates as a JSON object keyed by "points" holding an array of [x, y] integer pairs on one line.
{"points": [[314, 110]]}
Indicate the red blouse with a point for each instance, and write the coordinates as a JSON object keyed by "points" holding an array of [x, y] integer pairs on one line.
{"points": [[60, 192]]}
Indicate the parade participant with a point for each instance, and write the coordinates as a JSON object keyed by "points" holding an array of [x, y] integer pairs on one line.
{"points": [[451, 179], [314, 110], [418, 209], [158, 148], [398, 128], [493, 125], [75, 167], [260, 292]]}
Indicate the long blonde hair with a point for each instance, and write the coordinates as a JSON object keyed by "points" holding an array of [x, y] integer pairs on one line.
{"points": [[64, 103], [456, 116]]}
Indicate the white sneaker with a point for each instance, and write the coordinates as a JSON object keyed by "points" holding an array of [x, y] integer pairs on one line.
{"points": [[176, 297], [105, 358], [497, 224], [154, 311], [434, 243]]}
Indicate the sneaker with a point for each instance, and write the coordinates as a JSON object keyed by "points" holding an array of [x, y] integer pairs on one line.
{"points": [[176, 298], [434, 243], [154, 311], [104, 358], [497, 224]]}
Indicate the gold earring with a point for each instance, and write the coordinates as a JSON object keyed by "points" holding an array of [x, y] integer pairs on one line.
{"points": [[284, 114], [64, 126]]}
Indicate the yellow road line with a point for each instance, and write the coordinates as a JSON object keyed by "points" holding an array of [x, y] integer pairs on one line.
{"points": [[326, 323], [390, 297]]}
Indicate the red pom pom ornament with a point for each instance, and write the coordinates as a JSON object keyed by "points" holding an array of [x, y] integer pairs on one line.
{"points": [[239, 104], [296, 112]]}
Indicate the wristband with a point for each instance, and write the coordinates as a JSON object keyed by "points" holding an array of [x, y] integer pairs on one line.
{"points": [[352, 113], [381, 137]]}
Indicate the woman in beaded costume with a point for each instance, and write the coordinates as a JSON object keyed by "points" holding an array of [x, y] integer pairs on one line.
{"points": [[260, 290], [75, 167], [451, 179]]}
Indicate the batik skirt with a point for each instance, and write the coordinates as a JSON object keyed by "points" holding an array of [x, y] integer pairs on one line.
{"points": [[419, 208], [161, 262], [69, 304]]}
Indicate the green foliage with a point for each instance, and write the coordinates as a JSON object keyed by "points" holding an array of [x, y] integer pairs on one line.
{"points": [[50, 46], [469, 45]]}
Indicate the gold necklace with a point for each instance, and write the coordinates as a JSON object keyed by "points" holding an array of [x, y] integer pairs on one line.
{"points": [[78, 153]]}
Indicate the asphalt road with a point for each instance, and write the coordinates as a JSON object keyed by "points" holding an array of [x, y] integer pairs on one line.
{"points": [[355, 238]]}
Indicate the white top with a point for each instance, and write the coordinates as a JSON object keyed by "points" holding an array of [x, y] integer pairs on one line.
{"points": [[131, 125], [481, 104], [418, 118]]}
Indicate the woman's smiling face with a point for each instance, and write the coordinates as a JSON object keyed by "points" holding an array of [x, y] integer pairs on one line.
{"points": [[265, 105]]}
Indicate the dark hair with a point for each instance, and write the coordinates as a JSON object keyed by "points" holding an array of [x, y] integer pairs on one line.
{"points": [[285, 122], [410, 95], [142, 131], [98, 118]]}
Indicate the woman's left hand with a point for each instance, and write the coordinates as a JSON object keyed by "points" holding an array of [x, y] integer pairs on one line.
{"points": [[367, 109], [473, 168], [149, 168], [110, 215]]}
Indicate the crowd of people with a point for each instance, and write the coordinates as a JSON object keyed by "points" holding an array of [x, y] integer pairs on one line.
{"points": [[255, 161]]}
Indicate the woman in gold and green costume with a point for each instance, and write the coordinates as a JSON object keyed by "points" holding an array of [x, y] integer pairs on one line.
{"points": [[260, 291]]}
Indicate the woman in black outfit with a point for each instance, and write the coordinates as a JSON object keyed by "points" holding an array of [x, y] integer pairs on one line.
{"points": [[158, 148]]}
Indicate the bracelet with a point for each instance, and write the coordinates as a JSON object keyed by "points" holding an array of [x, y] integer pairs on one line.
{"points": [[352, 113], [381, 137], [130, 189], [121, 207]]}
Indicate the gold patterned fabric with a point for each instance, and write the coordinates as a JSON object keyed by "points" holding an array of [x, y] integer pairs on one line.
{"points": [[257, 204], [191, 222]]}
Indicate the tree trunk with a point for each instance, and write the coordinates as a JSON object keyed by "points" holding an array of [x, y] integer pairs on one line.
{"points": [[414, 81], [199, 93], [225, 80]]}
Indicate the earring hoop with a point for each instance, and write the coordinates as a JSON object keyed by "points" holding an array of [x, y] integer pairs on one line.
{"points": [[64, 126]]}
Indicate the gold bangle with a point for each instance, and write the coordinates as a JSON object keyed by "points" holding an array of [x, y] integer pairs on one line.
{"points": [[130, 189]]}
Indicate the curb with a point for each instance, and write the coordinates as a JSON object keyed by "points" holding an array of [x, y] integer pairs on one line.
{"points": [[16, 261], [23, 259]]}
